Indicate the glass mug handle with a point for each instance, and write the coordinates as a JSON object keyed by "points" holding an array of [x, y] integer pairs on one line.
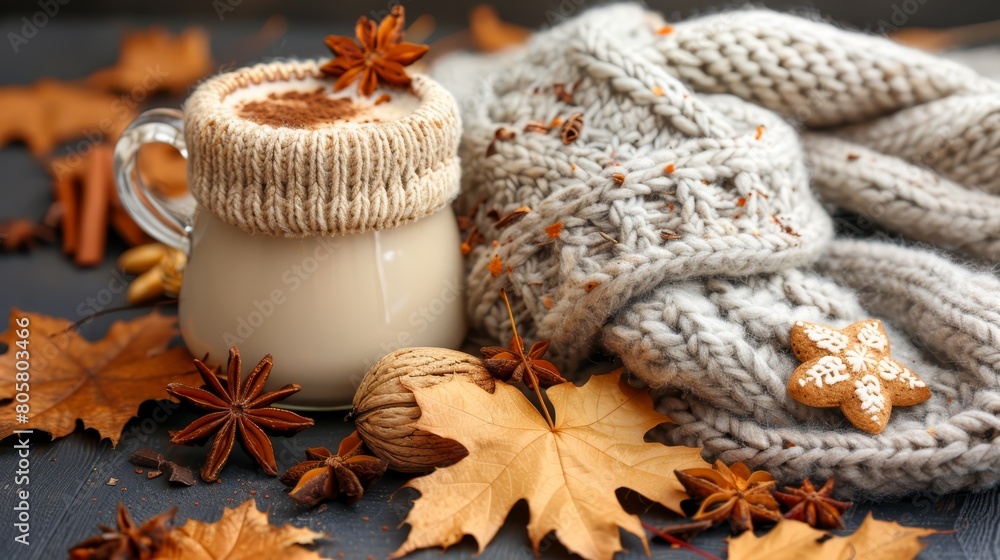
{"points": [[168, 220]]}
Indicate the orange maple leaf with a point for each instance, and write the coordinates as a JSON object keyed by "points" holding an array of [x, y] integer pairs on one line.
{"points": [[568, 472], [101, 383], [242, 532]]}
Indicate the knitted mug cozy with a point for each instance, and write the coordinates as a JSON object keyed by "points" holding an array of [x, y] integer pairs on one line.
{"points": [[306, 178], [690, 242]]}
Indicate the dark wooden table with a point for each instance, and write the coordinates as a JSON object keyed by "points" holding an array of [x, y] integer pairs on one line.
{"points": [[68, 478]]}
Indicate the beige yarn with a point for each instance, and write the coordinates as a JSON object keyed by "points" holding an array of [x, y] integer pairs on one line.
{"points": [[329, 181]]}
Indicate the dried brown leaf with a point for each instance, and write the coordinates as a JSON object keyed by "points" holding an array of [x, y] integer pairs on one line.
{"points": [[242, 532], [794, 540], [100, 383], [573, 468]]}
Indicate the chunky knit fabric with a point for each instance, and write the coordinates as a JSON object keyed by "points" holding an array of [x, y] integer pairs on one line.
{"points": [[691, 240], [296, 182]]}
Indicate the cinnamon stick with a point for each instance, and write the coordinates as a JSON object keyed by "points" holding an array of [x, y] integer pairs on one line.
{"points": [[95, 207], [66, 197]]}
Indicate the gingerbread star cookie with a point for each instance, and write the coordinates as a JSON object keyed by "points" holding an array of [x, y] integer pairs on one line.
{"points": [[852, 368]]}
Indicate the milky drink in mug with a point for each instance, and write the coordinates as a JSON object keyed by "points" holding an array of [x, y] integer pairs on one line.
{"points": [[318, 227]]}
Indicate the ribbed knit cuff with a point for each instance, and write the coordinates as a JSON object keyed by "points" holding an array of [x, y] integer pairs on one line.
{"points": [[330, 180]]}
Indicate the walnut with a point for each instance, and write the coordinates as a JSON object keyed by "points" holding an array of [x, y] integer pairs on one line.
{"points": [[384, 409]]}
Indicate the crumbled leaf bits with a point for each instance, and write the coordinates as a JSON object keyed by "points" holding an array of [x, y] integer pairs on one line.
{"points": [[176, 474]]}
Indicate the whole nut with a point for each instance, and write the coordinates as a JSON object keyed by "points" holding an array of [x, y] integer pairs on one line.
{"points": [[384, 409]]}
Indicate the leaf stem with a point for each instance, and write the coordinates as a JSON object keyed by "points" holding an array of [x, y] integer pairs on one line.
{"points": [[110, 310], [524, 360], [675, 541]]}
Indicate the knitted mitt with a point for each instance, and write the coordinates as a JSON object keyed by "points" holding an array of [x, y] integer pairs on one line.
{"points": [[679, 230]]}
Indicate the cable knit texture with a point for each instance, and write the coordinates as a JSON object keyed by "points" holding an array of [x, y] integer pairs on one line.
{"points": [[332, 180], [692, 240]]}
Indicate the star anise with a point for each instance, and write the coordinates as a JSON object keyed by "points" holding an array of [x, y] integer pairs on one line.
{"points": [[325, 476], [238, 409], [812, 506], [377, 54], [512, 364], [128, 541], [731, 493], [21, 234]]}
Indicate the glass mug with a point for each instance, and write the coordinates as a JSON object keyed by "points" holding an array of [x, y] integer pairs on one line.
{"points": [[326, 306]]}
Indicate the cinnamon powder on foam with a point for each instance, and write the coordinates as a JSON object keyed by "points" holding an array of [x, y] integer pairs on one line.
{"points": [[300, 109]]}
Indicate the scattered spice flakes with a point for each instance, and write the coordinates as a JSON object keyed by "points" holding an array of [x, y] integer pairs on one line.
{"points": [[563, 95], [665, 30], [853, 157], [471, 240], [741, 201], [760, 132], [501, 135], [669, 169], [556, 122], [112, 482], [572, 129], [512, 218], [547, 302], [535, 126], [784, 227], [619, 178], [384, 98], [658, 91], [504, 134], [554, 230], [496, 266], [589, 286]]}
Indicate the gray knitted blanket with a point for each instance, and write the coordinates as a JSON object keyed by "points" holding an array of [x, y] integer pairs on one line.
{"points": [[693, 235]]}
